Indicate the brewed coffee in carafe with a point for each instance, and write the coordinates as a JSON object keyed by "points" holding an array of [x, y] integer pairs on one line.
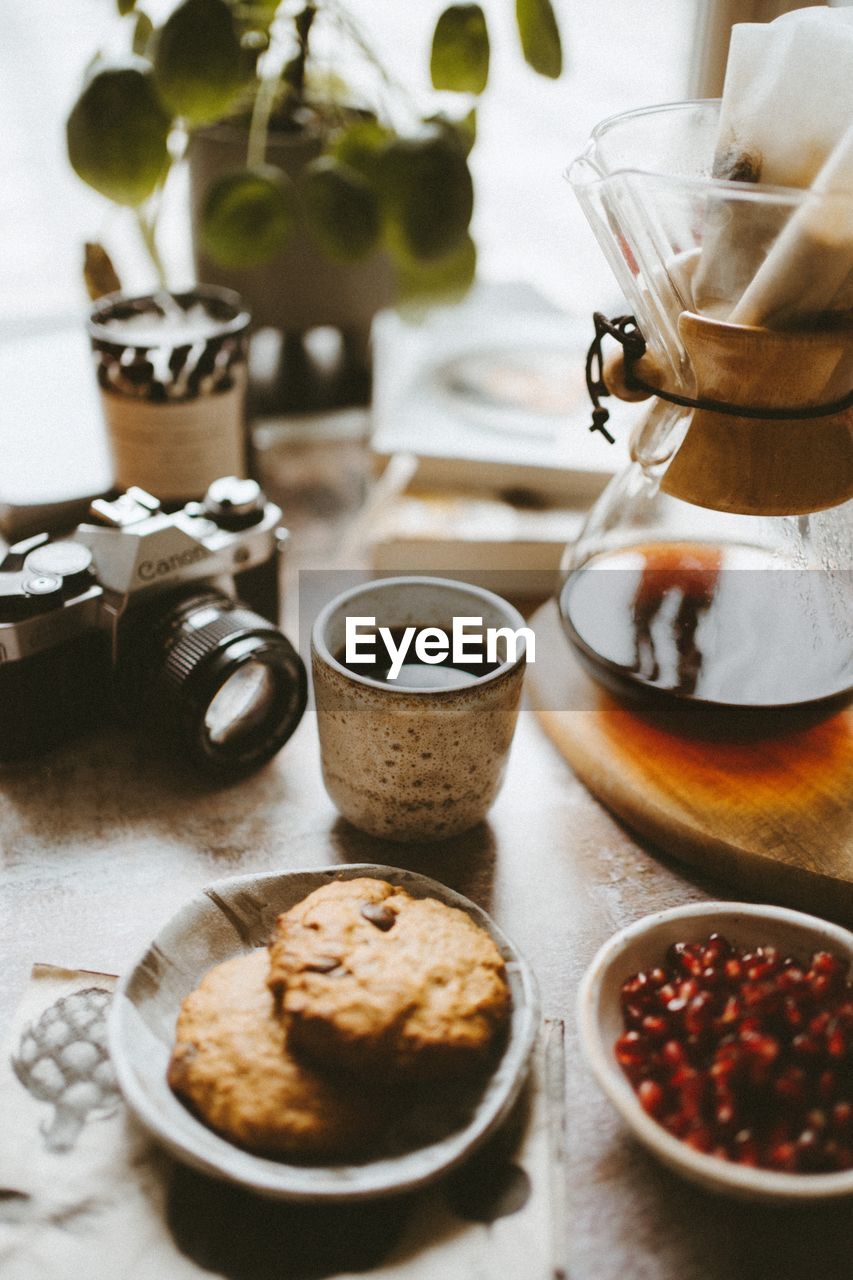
{"points": [[714, 631]]}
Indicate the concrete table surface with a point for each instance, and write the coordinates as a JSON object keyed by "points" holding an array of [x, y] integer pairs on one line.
{"points": [[101, 841]]}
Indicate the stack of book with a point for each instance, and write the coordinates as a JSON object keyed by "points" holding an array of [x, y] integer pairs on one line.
{"points": [[481, 419]]}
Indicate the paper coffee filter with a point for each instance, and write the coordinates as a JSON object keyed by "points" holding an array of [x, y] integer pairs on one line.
{"points": [[787, 97], [785, 120]]}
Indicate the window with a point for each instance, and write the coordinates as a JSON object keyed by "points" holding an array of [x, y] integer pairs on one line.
{"points": [[619, 54]]}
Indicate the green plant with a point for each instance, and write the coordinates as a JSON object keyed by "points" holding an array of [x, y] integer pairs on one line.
{"points": [[388, 177]]}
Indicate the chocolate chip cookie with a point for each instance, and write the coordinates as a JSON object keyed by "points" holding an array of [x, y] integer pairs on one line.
{"points": [[371, 979], [233, 1066]]}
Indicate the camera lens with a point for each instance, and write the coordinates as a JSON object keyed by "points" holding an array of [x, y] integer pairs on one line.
{"points": [[241, 705], [223, 678]]}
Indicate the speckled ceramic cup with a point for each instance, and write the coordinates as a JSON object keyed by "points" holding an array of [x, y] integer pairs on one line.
{"points": [[406, 763]]}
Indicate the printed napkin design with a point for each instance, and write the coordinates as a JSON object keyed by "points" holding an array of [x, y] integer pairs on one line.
{"points": [[84, 1193], [81, 1189], [62, 1059]]}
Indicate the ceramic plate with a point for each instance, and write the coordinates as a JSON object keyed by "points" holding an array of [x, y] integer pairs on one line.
{"points": [[231, 917]]}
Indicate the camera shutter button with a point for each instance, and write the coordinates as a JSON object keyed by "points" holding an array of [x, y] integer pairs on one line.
{"points": [[71, 562], [234, 503], [43, 589]]}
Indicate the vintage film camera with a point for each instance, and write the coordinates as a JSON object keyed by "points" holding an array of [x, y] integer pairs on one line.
{"points": [[169, 619]]}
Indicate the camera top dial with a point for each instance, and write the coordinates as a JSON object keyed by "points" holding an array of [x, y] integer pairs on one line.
{"points": [[67, 560], [233, 503]]}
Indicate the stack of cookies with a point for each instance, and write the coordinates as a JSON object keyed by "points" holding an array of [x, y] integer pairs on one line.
{"points": [[297, 1050]]}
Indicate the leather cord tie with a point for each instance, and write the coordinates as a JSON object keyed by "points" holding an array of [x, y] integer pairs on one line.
{"points": [[626, 331]]}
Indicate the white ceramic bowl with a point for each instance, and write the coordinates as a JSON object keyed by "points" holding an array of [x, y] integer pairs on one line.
{"points": [[231, 917], [643, 945]]}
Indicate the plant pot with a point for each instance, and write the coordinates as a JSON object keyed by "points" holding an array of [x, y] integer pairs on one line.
{"points": [[300, 289]]}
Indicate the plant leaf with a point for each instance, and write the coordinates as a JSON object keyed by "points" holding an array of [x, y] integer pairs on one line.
{"points": [[117, 134], [460, 50], [426, 194], [249, 217], [198, 61], [257, 10], [467, 130], [142, 32], [463, 130], [444, 280], [99, 273], [341, 210], [125, 6], [360, 146], [540, 36]]}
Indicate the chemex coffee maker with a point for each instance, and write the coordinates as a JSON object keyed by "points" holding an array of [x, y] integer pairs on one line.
{"points": [[714, 576]]}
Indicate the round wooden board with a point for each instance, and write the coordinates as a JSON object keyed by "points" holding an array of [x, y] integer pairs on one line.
{"points": [[773, 816]]}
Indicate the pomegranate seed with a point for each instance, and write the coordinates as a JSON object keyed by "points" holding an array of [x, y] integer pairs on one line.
{"points": [[731, 1010], [651, 1097], [783, 1156], [725, 1114], [678, 1124], [633, 1015], [791, 1084], [631, 1049], [826, 1085], [745, 1054], [717, 949], [792, 1013], [762, 1052], [842, 1118], [691, 1088], [765, 1048], [805, 1046], [699, 1139], [821, 985], [828, 966], [836, 1044], [692, 965], [698, 1015], [673, 1054]]}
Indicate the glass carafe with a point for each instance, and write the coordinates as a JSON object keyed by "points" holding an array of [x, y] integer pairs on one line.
{"points": [[714, 576]]}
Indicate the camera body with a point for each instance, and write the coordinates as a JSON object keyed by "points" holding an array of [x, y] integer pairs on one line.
{"points": [[150, 613]]}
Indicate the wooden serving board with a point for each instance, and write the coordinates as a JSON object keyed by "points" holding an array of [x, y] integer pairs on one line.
{"points": [[773, 816]]}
